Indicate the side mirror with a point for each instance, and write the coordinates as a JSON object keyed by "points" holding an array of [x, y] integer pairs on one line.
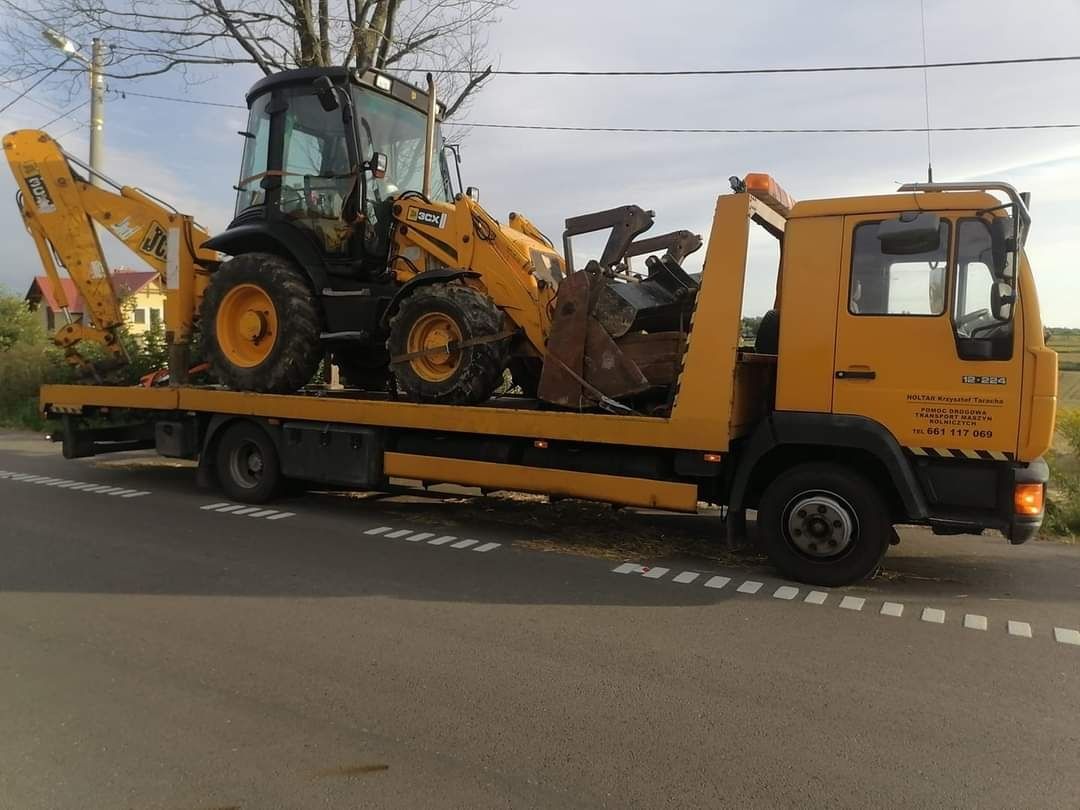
{"points": [[1002, 243], [324, 89], [377, 165], [910, 233], [1002, 298], [472, 192]]}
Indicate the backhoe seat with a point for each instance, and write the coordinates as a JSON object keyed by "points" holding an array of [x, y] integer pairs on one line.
{"points": [[767, 340]]}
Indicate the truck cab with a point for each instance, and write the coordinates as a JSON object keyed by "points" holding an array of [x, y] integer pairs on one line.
{"points": [[910, 344]]}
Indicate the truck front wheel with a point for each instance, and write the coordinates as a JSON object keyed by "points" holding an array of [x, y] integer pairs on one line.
{"points": [[824, 524]]}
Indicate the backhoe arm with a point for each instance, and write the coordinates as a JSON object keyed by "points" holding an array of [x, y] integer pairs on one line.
{"points": [[60, 207]]}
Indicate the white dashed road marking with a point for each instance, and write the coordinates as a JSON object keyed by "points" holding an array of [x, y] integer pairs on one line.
{"points": [[1022, 629], [75, 486], [785, 592], [717, 582], [973, 621], [628, 568], [389, 532], [655, 573], [816, 597], [750, 586], [933, 615], [852, 603], [223, 507], [1067, 636], [892, 609], [686, 577]]}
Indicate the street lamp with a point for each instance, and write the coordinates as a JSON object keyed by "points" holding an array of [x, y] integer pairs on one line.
{"points": [[96, 64]]}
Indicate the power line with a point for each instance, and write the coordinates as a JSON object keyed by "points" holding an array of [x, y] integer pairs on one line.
{"points": [[673, 130], [767, 70], [785, 131], [76, 108], [23, 94], [179, 100]]}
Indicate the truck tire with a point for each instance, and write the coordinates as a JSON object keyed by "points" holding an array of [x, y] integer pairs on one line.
{"points": [[824, 524], [433, 316], [247, 464], [260, 323]]}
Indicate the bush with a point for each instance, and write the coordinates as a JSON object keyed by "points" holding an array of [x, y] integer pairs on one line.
{"points": [[1063, 496], [23, 369]]}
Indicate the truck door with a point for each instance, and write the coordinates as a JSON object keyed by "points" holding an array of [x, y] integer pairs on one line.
{"points": [[924, 347]]}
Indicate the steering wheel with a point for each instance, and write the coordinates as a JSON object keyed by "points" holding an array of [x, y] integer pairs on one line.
{"points": [[301, 200], [986, 327], [966, 321]]}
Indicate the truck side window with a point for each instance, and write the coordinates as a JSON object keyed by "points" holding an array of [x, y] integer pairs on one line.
{"points": [[974, 318], [883, 284]]}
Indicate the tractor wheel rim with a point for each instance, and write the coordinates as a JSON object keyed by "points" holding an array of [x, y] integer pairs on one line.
{"points": [[432, 333], [246, 325], [820, 524]]}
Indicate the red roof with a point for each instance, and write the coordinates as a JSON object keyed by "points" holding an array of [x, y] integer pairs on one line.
{"points": [[125, 282]]}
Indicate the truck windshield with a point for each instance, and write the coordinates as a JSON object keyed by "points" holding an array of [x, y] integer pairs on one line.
{"points": [[397, 130]]}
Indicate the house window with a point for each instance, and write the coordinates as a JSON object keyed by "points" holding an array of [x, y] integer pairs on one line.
{"points": [[155, 317], [140, 315]]}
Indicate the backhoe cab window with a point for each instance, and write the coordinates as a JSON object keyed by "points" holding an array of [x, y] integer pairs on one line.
{"points": [[398, 131], [884, 284], [316, 167], [253, 164]]}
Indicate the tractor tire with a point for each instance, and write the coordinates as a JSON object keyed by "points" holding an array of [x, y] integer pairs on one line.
{"points": [[260, 323], [433, 316]]}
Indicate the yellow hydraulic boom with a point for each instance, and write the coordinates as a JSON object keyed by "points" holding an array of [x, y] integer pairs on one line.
{"points": [[59, 207]]}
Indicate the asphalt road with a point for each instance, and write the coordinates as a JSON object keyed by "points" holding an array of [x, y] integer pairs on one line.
{"points": [[159, 652]]}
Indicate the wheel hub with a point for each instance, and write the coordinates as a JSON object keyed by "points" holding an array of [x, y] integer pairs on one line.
{"points": [[820, 524], [246, 325], [253, 325], [432, 334]]}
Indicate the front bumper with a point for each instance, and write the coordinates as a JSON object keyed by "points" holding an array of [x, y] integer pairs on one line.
{"points": [[1024, 527]]}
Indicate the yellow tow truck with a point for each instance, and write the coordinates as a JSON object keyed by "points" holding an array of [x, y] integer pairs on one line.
{"points": [[901, 378]]}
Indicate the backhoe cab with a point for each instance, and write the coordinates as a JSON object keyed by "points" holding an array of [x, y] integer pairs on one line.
{"points": [[349, 240]]}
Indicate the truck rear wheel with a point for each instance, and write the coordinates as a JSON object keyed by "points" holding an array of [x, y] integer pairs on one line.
{"points": [[824, 524], [247, 464], [423, 333], [261, 325]]}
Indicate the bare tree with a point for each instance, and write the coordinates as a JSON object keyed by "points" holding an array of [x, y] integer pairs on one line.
{"points": [[152, 37]]}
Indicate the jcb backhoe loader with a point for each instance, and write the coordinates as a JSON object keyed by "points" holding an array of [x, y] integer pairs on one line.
{"points": [[348, 240]]}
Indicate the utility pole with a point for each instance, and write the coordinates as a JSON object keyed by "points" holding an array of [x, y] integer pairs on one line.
{"points": [[97, 108], [96, 64]]}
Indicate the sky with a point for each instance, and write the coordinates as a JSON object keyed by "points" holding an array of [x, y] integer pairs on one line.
{"points": [[189, 154]]}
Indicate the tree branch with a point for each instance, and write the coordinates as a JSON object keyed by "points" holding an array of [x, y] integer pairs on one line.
{"points": [[472, 85]]}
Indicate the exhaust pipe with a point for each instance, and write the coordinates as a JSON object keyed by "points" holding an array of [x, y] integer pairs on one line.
{"points": [[429, 138]]}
